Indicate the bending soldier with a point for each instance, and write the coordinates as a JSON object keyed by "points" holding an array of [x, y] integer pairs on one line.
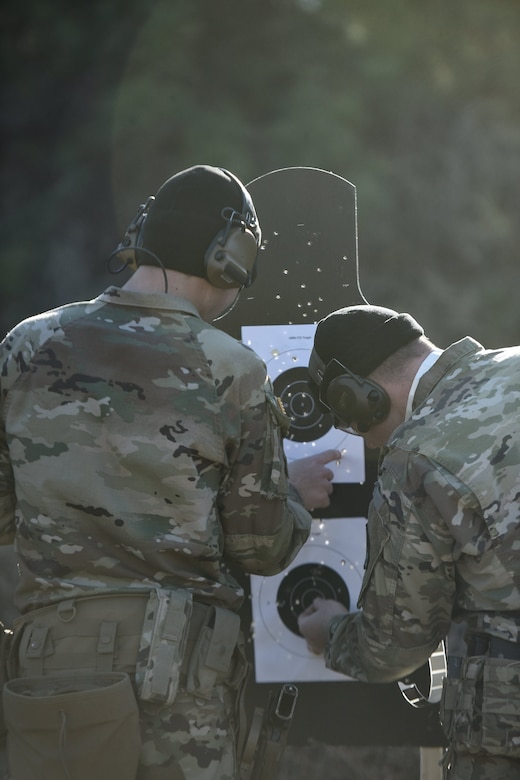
{"points": [[443, 525]]}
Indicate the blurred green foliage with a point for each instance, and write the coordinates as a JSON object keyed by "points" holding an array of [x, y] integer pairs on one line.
{"points": [[416, 103]]}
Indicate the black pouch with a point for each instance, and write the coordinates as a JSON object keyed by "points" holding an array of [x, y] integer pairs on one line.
{"points": [[457, 711], [76, 727]]}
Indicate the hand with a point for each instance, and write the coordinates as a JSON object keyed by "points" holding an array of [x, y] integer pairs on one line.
{"points": [[314, 623], [312, 479]]}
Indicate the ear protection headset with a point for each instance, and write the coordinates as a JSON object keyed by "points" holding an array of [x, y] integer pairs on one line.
{"points": [[231, 257], [350, 398], [131, 241], [229, 261]]}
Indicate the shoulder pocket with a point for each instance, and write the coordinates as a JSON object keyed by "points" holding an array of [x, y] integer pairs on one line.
{"points": [[274, 471], [276, 409], [377, 536]]}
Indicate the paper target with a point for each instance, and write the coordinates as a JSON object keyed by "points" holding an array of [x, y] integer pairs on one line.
{"points": [[329, 565], [285, 350], [308, 422]]}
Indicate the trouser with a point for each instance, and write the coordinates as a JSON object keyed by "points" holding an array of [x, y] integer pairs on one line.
{"points": [[480, 713], [182, 662], [192, 739]]}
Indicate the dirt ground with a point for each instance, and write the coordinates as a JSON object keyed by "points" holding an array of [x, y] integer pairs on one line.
{"points": [[338, 763], [350, 763]]}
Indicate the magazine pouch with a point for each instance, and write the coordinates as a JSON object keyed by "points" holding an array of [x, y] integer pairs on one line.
{"points": [[211, 658], [163, 642]]}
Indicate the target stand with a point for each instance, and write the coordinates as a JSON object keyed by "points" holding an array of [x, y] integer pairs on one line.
{"points": [[308, 267]]}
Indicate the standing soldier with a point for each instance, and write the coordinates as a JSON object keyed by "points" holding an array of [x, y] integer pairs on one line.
{"points": [[141, 457]]}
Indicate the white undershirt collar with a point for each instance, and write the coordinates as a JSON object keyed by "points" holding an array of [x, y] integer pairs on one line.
{"points": [[423, 368]]}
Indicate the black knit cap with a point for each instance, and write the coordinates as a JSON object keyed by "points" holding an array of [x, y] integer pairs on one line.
{"points": [[186, 215], [362, 337]]}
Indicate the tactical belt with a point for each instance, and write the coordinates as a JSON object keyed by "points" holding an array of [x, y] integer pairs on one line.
{"points": [[493, 647], [484, 644], [108, 632]]}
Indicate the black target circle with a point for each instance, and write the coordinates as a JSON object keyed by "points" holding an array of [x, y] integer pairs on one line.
{"points": [[308, 421], [302, 585]]}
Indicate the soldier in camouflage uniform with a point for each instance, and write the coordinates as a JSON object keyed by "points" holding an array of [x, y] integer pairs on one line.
{"points": [[443, 524], [141, 459]]}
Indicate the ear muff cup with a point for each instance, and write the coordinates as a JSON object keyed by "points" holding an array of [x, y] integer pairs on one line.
{"points": [[342, 398], [357, 400], [351, 399], [230, 259]]}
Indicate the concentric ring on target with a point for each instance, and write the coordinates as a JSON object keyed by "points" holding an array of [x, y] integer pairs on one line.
{"points": [[308, 422], [302, 585]]}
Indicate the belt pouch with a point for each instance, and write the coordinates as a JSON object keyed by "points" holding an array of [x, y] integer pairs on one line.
{"points": [[458, 705], [501, 707], [163, 641], [77, 727], [212, 654], [97, 635]]}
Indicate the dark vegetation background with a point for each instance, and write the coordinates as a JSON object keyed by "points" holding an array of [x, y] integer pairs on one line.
{"points": [[416, 103]]}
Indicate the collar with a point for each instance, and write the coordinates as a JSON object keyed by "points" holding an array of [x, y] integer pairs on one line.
{"points": [[425, 366], [119, 297], [444, 363]]}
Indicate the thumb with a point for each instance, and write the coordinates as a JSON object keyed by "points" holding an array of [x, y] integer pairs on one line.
{"points": [[318, 601], [312, 608], [328, 455]]}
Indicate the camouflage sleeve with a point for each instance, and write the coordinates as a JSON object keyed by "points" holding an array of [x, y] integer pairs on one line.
{"points": [[7, 496], [264, 522], [8, 371], [16, 351], [408, 590]]}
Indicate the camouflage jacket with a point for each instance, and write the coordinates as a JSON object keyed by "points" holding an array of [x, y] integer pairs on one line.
{"points": [[140, 446], [444, 522]]}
